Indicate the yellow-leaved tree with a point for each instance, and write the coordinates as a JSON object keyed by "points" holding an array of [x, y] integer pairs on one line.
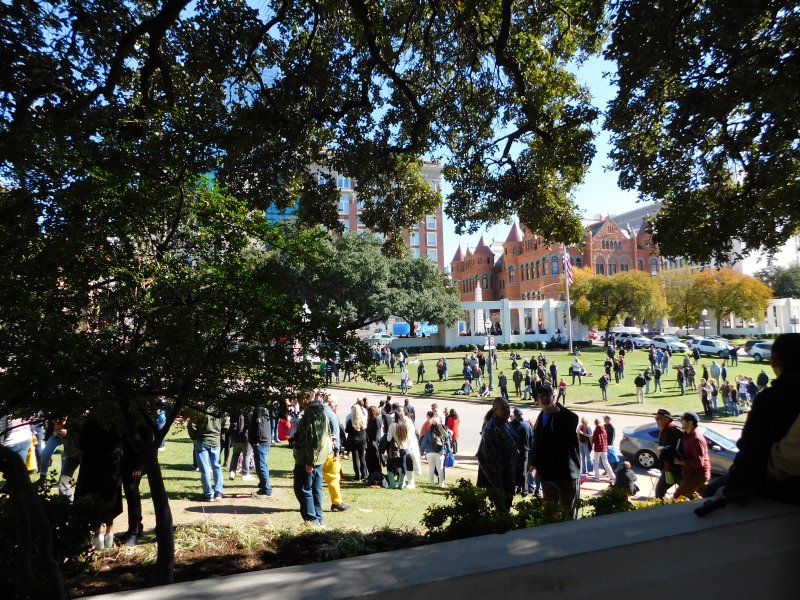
{"points": [[725, 292]]}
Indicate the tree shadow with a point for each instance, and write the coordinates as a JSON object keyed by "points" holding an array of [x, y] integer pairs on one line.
{"points": [[236, 509]]}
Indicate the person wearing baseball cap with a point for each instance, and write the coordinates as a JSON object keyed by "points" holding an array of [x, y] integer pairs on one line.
{"points": [[696, 463], [669, 436]]}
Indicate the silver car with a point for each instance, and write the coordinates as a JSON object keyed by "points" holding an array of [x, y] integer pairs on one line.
{"points": [[761, 351], [640, 444]]}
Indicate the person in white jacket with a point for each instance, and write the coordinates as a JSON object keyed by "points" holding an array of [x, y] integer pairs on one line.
{"points": [[413, 451]]}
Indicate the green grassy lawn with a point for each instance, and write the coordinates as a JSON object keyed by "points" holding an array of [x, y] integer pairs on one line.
{"points": [[370, 507], [621, 398]]}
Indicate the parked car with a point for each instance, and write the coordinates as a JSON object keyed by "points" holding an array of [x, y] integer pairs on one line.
{"points": [[640, 444], [592, 335], [639, 341], [669, 341], [711, 347], [379, 339], [690, 339], [761, 351], [749, 344]]}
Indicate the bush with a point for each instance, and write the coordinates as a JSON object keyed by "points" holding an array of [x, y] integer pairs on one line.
{"points": [[70, 524]]}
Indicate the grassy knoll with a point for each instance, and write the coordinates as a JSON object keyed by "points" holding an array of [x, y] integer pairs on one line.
{"points": [[621, 398]]}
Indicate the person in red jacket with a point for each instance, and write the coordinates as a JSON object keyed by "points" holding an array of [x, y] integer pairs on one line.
{"points": [[600, 447], [696, 464], [452, 423]]}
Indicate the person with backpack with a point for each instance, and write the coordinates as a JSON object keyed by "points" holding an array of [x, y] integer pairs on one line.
{"points": [[603, 381], [434, 445], [260, 436], [240, 445]]}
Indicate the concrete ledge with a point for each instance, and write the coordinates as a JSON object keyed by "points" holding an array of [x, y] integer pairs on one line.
{"points": [[736, 552]]}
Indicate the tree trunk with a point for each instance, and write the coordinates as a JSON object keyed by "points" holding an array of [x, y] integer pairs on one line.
{"points": [[31, 524], [165, 534]]}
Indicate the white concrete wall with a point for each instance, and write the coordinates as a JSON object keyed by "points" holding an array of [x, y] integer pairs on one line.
{"points": [[668, 552]]}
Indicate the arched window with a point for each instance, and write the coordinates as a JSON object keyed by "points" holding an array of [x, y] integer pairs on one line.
{"points": [[654, 266], [512, 275], [600, 267], [485, 281], [640, 264], [554, 260], [544, 266], [578, 262], [623, 265], [491, 281], [612, 266], [537, 269]]}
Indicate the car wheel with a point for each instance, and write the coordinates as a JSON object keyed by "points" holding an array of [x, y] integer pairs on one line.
{"points": [[758, 357], [646, 459]]}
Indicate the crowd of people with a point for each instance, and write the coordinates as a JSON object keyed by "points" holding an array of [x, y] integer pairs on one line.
{"points": [[548, 455], [386, 447]]}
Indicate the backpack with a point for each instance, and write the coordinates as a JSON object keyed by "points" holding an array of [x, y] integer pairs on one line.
{"points": [[437, 441]]}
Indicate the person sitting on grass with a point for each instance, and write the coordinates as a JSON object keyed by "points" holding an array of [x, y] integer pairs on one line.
{"points": [[484, 393], [429, 388]]}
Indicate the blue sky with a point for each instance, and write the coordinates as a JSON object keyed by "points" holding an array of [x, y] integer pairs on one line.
{"points": [[599, 192]]}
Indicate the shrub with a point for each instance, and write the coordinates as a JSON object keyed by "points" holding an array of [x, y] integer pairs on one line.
{"points": [[70, 524]]}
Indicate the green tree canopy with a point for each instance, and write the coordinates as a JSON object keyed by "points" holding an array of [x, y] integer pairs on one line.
{"points": [[602, 301], [421, 292], [724, 291], [684, 302], [706, 120], [263, 97], [784, 281]]}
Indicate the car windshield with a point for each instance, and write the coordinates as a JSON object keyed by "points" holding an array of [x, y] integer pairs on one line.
{"points": [[719, 440], [670, 338]]}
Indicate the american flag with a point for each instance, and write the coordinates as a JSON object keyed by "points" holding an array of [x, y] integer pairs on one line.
{"points": [[567, 267]]}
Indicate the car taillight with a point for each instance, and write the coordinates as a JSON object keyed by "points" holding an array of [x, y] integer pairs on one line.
{"points": [[625, 438]]}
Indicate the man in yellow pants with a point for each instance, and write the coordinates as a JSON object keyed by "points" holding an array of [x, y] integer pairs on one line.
{"points": [[332, 468]]}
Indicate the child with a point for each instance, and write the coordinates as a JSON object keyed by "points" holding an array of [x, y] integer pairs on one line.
{"points": [[562, 391]]}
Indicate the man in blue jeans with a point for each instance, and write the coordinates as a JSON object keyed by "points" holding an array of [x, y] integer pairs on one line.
{"points": [[260, 438], [312, 445], [206, 431]]}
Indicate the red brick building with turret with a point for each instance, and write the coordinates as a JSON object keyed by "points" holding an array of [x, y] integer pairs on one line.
{"points": [[525, 268]]}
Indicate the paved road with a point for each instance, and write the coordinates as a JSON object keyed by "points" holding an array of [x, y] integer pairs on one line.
{"points": [[472, 413]]}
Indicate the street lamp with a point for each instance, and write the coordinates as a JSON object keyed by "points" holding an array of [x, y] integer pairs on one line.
{"points": [[488, 325], [705, 314]]}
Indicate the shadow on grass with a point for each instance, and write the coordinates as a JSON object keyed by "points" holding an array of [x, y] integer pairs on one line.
{"points": [[220, 507]]}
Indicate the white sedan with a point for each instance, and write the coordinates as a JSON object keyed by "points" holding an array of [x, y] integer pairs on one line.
{"points": [[669, 341]]}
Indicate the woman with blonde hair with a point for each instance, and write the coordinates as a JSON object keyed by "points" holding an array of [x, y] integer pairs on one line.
{"points": [[356, 431]]}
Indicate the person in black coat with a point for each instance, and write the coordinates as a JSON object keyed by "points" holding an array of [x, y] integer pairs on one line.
{"points": [[625, 479], [766, 463], [100, 477], [524, 445], [555, 453], [374, 434], [356, 431]]}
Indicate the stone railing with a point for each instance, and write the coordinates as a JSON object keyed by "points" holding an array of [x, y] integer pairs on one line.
{"points": [[735, 552]]}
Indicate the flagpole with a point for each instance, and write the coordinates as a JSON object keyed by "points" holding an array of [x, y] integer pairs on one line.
{"points": [[569, 312]]}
